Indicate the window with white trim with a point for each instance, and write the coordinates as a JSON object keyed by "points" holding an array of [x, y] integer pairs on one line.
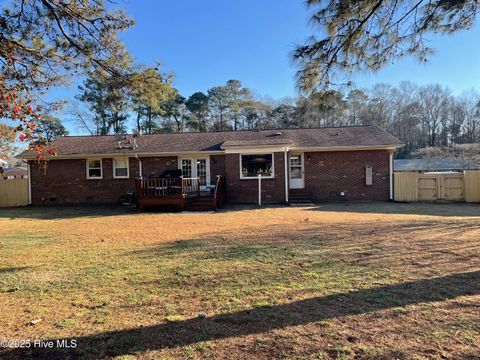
{"points": [[94, 168], [120, 168], [253, 165]]}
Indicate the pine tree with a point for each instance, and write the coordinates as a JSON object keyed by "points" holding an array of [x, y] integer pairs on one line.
{"points": [[368, 34]]}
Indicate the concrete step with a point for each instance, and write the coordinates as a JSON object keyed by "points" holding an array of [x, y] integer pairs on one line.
{"points": [[301, 203], [299, 195]]}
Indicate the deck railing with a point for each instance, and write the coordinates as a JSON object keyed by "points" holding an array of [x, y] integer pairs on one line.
{"points": [[167, 187], [191, 186], [160, 187], [158, 191]]}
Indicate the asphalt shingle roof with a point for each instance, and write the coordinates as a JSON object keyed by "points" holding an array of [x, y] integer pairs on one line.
{"points": [[370, 135]]}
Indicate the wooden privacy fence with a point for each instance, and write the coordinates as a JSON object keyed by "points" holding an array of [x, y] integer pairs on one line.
{"points": [[13, 192], [471, 181], [431, 186]]}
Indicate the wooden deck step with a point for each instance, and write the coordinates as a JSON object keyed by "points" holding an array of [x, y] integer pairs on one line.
{"points": [[200, 203]]}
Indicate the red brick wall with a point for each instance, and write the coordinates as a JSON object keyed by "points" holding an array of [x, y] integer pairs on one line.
{"points": [[65, 182], [246, 191], [327, 172], [217, 166], [155, 166]]}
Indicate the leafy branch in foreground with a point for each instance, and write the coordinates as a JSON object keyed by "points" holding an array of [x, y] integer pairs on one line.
{"points": [[43, 43], [368, 34]]}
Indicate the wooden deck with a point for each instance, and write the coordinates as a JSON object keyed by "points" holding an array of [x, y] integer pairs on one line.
{"points": [[180, 193]]}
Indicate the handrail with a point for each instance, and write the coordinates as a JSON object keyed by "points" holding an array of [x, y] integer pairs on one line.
{"points": [[159, 187], [219, 191], [162, 187]]}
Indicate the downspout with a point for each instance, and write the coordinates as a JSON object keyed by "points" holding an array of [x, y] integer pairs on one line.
{"points": [[286, 173], [391, 175], [140, 169]]}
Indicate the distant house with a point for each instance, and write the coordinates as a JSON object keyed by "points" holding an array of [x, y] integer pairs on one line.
{"points": [[435, 164], [354, 163], [14, 173]]}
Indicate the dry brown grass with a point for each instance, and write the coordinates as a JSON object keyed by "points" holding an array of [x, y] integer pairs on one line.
{"points": [[344, 281]]}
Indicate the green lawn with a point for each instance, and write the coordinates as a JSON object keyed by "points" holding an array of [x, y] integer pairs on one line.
{"points": [[338, 281]]}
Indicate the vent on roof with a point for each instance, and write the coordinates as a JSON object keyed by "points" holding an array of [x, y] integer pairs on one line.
{"points": [[335, 134], [127, 142]]}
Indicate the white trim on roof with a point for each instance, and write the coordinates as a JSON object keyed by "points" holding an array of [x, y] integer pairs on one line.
{"points": [[256, 149], [345, 148], [133, 155], [230, 150]]}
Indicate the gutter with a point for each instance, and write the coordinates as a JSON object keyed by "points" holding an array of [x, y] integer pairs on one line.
{"points": [[286, 173], [240, 149], [83, 156], [391, 175], [140, 168]]}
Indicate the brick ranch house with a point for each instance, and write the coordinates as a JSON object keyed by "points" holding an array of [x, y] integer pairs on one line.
{"points": [[352, 163]]}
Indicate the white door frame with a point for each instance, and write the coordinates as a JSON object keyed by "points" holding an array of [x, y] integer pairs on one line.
{"points": [[194, 159], [300, 182]]}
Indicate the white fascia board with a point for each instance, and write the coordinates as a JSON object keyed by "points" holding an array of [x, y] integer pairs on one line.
{"points": [[229, 150], [132, 155], [256, 149], [342, 148]]}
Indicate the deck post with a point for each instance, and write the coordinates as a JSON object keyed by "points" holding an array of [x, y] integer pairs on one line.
{"points": [[181, 186]]}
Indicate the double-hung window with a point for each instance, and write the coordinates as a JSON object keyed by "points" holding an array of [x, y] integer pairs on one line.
{"points": [[253, 165], [120, 168], [94, 168]]}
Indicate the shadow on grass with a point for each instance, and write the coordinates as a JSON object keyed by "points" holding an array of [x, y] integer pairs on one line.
{"points": [[12, 269], [69, 212], [433, 209], [259, 320], [65, 212]]}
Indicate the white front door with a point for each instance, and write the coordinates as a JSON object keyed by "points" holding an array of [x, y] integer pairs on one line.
{"points": [[296, 171], [196, 167]]}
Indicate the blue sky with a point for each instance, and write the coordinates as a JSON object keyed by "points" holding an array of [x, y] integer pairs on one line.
{"points": [[205, 43]]}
